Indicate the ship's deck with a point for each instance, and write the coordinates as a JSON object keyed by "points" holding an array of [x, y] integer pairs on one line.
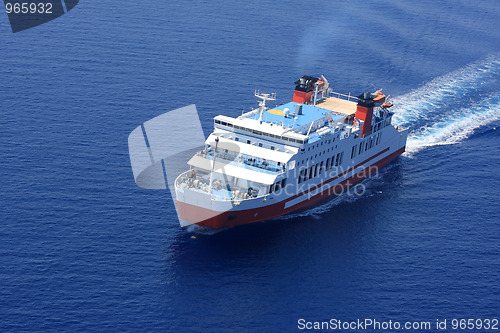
{"points": [[309, 114], [338, 105]]}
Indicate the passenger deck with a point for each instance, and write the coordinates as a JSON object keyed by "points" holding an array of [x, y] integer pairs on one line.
{"points": [[338, 105]]}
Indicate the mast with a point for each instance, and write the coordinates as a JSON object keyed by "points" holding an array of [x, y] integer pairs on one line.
{"points": [[213, 166], [262, 104]]}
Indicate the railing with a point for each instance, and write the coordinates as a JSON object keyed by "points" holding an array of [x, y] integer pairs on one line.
{"points": [[194, 182], [344, 96], [245, 159]]}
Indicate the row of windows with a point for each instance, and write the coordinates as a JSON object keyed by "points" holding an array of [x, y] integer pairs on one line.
{"points": [[326, 142], [277, 186], [250, 142], [318, 168], [320, 144], [223, 123], [367, 144]]}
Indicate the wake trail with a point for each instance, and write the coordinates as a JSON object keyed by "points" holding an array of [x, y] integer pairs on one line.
{"points": [[449, 108]]}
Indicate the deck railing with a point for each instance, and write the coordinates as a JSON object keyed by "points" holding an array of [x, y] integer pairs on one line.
{"points": [[344, 96], [246, 160]]}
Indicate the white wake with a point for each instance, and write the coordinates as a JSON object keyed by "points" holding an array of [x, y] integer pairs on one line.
{"points": [[448, 109]]}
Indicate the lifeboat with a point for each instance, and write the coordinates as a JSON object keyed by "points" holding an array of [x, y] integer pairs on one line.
{"points": [[379, 98]]}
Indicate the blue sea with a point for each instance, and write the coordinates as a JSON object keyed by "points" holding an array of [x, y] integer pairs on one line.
{"points": [[82, 248]]}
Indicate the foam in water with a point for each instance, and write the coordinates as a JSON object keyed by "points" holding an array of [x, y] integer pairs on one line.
{"points": [[446, 110], [457, 127]]}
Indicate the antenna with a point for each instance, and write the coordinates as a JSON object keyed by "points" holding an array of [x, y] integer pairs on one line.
{"points": [[262, 104]]}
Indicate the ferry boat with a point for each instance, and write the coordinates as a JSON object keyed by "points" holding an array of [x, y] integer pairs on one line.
{"points": [[273, 161]]}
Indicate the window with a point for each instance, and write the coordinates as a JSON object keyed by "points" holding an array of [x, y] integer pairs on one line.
{"points": [[315, 170], [272, 147], [360, 148], [260, 144], [249, 142], [327, 166], [311, 172], [337, 159], [341, 157], [321, 169], [236, 139], [283, 183], [353, 151]]}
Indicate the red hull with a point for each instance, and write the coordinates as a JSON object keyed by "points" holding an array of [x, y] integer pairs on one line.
{"points": [[219, 220]]}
